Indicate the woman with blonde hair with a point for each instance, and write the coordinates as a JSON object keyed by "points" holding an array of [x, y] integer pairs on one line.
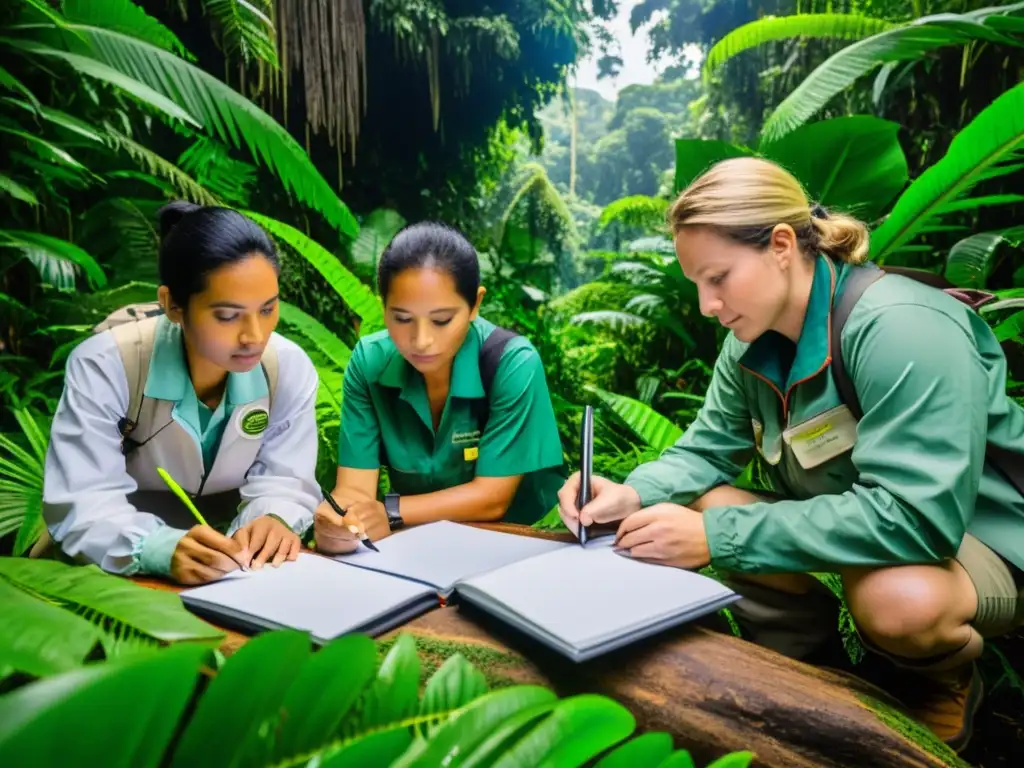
{"points": [[897, 494]]}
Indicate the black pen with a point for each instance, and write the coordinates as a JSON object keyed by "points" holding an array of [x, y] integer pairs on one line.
{"points": [[334, 505], [586, 466]]}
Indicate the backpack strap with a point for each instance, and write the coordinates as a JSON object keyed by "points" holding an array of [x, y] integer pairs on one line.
{"points": [[1010, 463], [271, 367], [490, 357], [135, 344], [857, 281]]}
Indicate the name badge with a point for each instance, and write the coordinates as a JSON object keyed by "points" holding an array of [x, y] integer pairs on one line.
{"points": [[252, 421], [823, 437]]}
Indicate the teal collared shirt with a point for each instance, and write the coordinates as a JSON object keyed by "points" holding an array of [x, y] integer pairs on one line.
{"points": [[169, 379], [386, 418]]}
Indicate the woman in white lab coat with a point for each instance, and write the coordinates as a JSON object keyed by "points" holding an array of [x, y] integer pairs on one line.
{"points": [[201, 386]]}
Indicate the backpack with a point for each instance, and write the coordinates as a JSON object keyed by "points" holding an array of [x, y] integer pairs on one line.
{"points": [[136, 348], [490, 356], [1009, 463]]}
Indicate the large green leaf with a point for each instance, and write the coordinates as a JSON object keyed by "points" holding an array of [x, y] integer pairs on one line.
{"points": [[235, 720], [905, 43], [455, 684], [649, 425], [352, 290], [970, 261], [579, 728], [1011, 328], [380, 748], [119, 714], [57, 117], [376, 231], [17, 191], [38, 638], [100, 71], [126, 17], [640, 211], [130, 617], [648, 749], [834, 26], [224, 113], [310, 718], [394, 695], [245, 30], [997, 131], [854, 164], [694, 156], [467, 732], [43, 250], [333, 348]]}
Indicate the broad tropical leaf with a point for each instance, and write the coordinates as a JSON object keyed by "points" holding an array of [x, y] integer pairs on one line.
{"points": [[130, 618], [649, 425], [970, 261], [227, 726], [694, 156], [1011, 328], [351, 289], [17, 191], [647, 749], [224, 113], [996, 132], [376, 231], [100, 71], [212, 166], [125, 17], [21, 482], [333, 348], [834, 26], [122, 232], [57, 117], [640, 211], [54, 258], [906, 43], [854, 164], [455, 684], [119, 714]]}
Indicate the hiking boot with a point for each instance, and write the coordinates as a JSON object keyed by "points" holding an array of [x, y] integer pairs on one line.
{"points": [[947, 705]]}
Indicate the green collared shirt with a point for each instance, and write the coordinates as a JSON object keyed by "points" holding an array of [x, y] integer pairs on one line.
{"points": [[385, 420], [900, 486], [169, 379]]}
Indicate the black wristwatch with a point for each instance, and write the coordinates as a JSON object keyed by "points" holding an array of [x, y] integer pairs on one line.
{"points": [[395, 520]]}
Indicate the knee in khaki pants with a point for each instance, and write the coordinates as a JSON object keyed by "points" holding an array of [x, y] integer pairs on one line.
{"points": [[792, 624]]}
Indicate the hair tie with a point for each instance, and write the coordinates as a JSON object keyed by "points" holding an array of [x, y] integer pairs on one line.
{"points": [[818, 211]]}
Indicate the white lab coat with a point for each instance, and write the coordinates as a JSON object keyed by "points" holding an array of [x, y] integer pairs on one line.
{"points": [[87, 485]]}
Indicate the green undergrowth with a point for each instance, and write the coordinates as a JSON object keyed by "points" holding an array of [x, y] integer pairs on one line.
{"points": [[433, 653]]}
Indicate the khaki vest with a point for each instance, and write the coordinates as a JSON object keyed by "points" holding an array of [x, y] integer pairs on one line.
{"points": [[152, 438]]}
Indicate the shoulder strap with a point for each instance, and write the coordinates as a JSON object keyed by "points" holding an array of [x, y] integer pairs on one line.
{"points": [[490, 357], [135, 344], [857, 281], [270, 369]]}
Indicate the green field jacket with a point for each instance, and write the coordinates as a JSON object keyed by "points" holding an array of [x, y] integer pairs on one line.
{"points": [[900, 486]]}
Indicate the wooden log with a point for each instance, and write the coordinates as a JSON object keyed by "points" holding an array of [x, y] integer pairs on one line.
{"points": [[714, 692]]}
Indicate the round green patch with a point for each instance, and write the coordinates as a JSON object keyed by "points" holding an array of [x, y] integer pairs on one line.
{"points": [[254, 422]]}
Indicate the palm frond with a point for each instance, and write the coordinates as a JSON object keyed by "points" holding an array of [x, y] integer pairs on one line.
{"points": [[327, 343], [125, 17], [211, 164], [17, 191], [152, 163], [55, 259], [640, 211], [649, 425], [245, 30], [834, 26], [225, 114]]}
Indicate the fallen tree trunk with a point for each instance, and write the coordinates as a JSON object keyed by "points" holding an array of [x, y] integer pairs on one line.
{"points": [[713, 692]]}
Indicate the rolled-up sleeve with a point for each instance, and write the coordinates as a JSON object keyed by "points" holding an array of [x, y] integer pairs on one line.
{"points": [[714, 450], [85, 481], [282, 480]]}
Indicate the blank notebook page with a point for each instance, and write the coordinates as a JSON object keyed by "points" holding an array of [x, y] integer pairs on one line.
{"points": [[442, 553], [311, 593], [588, 596]]}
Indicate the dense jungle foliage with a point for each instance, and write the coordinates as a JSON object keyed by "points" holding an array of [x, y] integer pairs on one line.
{"points": [[333, 124]]}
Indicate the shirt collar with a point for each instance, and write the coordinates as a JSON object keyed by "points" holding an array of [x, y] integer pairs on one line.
{"points": [[168, 377], [775, 358], [466, 381]]}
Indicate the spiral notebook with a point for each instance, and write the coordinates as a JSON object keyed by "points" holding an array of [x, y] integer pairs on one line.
{"points": [[580, 601]]}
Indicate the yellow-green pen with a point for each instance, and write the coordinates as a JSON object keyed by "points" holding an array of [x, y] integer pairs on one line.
{"points": [[180, 493]]}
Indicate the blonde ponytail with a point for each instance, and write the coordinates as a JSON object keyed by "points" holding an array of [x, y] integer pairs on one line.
{"points": [[744, 198]]}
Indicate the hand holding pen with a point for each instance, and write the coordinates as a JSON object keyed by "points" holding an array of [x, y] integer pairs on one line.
{"points": [[333, 532]]}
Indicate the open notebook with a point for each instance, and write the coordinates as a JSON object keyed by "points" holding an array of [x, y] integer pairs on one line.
{"points": [[580, 601]]}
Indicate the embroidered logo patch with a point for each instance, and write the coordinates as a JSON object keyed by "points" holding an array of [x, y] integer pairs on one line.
{"points": [[470, 454], [462, 438], [254, 422]]}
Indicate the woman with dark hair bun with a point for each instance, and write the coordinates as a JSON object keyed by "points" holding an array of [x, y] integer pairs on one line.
{"points": [[198, 385], [457, 409]]}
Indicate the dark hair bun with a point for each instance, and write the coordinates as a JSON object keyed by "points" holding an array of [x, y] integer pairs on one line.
{"points": [[170, 214]]}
